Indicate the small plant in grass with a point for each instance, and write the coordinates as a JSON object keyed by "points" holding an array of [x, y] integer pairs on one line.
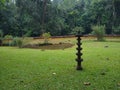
{"points": [[46, 37], [99, 32]]}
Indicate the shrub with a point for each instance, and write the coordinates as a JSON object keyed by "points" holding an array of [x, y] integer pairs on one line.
{"points": [[21, 42], [14, 43], [18, 42], [7, 40], [46, 37], [10, 37], [99, 32]]}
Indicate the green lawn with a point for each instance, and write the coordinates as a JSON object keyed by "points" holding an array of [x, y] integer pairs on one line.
{"points": [[35, 69]]}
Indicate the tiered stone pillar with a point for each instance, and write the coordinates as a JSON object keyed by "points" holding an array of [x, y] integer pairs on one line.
{"points": [[79, 54]]}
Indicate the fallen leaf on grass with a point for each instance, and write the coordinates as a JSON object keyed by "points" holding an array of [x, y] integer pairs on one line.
{"points": [[118, 84], [54, 73], [87, 83]]}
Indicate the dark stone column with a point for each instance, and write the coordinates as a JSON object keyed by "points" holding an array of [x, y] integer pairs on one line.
{"points": [[79, 54]]}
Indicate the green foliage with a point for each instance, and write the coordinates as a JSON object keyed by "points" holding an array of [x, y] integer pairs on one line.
{"points": [[116, 30], [7, 40], [1, 34], [99, 32], [58, 17], [14, 43], [2, 2], [28, 33], [67, 4], [8, 37], [77, 30], [18, 42], [46, 37]]}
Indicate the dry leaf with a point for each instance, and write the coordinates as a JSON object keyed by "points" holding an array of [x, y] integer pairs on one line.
{"points": [[87, 83]]}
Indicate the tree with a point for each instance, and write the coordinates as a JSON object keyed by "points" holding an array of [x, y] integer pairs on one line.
{"points": [[7, 15], [2, 2], [59, 17]]}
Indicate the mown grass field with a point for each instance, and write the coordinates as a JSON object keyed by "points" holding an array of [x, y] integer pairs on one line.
{"points": [[36, 69]]}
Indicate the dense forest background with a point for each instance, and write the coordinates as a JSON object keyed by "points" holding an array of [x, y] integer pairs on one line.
{"points": [[59, 17]]}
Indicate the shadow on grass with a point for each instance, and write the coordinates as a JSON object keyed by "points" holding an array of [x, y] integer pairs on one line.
{"points": [[117, 41]]}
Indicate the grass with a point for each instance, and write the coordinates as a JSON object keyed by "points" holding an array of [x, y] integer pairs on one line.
{"points": [[34, 69]]}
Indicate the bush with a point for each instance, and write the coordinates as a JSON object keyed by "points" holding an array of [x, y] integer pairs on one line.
{"points": [[18, 42], [8, 40], [99, 32], [14, 43], [21, 42], [46, 37], [10, 37]]}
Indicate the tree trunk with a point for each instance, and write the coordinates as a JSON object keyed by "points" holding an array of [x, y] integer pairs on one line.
{"points": [[43, 16]]}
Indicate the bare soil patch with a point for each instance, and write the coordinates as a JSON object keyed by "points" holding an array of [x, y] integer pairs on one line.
{"points": [[49, 46]]}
